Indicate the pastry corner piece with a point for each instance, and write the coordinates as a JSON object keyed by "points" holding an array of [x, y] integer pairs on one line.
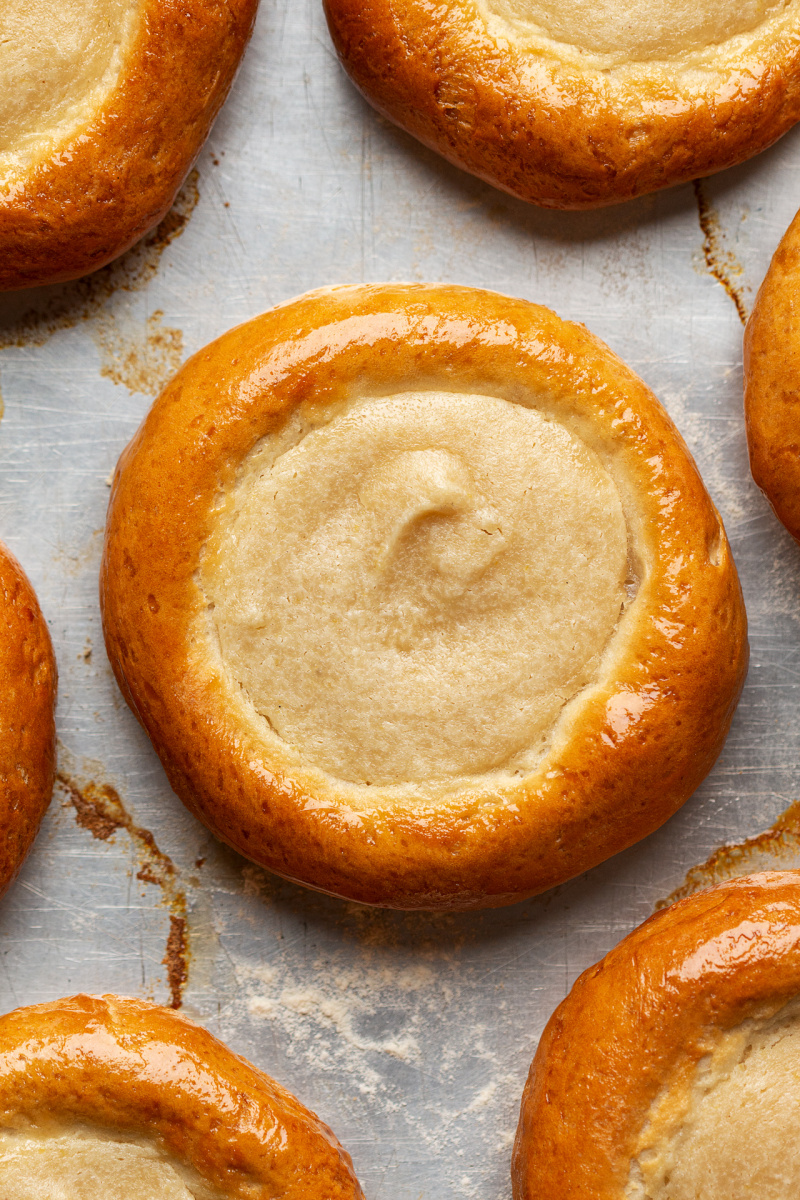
{"points": [[105, 1096], [27, 717], [420, 597], [104, 107], [578, 105], [772, 382], [670, 1071]]}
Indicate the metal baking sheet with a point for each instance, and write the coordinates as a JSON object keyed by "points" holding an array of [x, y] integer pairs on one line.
{"points": [[410, 1034]]}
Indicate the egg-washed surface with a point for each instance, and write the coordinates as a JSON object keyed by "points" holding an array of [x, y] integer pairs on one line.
{"points": [[414, 590], [638, 31], [79, 1163], [59, 60], [732, 1135], [449, 1088]]}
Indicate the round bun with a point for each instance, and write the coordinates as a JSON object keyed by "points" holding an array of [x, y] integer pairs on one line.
{"points": [[104, 108], [772, 391], [583, 104], [420, 598], [142, 1096], [27, 721], [669, 1072]]}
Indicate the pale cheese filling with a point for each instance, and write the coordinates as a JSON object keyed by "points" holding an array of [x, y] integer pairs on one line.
{"points": [[414, 590], [82, 1163], [732, 1134], [59, 61], [628, 31]]}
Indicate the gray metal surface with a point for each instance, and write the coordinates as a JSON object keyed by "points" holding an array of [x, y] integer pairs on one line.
{"points": [[411, 1035]]}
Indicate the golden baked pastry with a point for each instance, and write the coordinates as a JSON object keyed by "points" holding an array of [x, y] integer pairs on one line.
{"points": [[104, 106], [577, 105], [104, 1096], [27, 724], [420, 597], [772, 382], [670, 1071]]}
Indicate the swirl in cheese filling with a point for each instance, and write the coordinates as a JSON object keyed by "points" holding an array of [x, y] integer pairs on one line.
{"points": [[415, 589]]}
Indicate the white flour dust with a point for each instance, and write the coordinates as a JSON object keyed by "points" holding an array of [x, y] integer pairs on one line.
{"points": [[394, 1028]]}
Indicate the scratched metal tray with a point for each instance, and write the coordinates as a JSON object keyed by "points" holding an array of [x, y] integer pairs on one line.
{"points": [[410, 1034]]}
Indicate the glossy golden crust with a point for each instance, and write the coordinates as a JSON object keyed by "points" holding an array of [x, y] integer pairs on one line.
{"points": [[639, 741], [550, 130], [27, 725], [643, 1015], [127, 1065], [772, 382], [111, 181]]}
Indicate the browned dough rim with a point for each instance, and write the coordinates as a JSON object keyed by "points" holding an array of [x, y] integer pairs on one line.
{"points": [[772, 382], [27, 720]]}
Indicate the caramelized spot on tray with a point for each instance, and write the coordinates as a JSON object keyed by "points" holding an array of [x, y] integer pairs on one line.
{"points": [[176, 959], [722, 264], [99, 809]]}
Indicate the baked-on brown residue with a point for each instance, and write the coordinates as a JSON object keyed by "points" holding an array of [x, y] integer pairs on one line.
{"points": [[721, 263], [142, 358], [99, 809], [176, 959], [65, 305], [766, 852]]}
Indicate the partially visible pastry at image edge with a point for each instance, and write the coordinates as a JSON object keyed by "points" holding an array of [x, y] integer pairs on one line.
{"points": [[772, 382], [27, 717], [109, 1098], [420, 597], [104, 107], [670, 1070], [582, 104]]}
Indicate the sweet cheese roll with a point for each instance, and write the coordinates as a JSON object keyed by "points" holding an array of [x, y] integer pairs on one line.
{"points": [[577, 105], [420, 597], [670, 1071]]}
